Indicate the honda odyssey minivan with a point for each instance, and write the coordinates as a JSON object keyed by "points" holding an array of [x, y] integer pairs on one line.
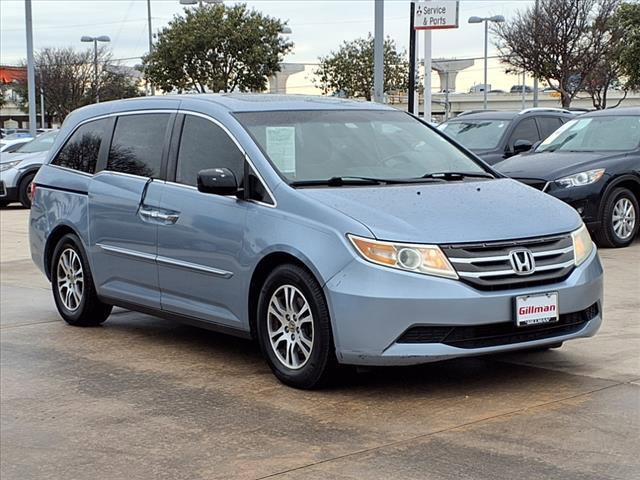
{"points": [[331, 231]]}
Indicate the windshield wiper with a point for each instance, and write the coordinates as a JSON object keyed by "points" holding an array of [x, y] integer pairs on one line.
{"points": [[456, 175], [354, 180]]}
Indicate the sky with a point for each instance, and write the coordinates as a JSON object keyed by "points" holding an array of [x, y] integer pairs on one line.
{"points": [[318, 27]]}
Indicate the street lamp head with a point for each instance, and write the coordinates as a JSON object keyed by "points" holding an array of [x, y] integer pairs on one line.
{"points": [[85, 38], [497, 19], [476, 19], [188, 2], [103, 38], [286, 30]]}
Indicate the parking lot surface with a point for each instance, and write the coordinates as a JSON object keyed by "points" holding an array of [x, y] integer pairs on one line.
{"points": [[142, 397]]}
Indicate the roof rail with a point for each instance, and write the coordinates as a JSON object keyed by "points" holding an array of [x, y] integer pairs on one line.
{"points": [[545, 109], [469, 112]]}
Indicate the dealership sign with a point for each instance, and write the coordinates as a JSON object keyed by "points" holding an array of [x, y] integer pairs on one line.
{"points": [[436, 14]]}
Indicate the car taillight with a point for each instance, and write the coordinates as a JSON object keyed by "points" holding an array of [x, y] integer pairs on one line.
{"points": [[32, 191]]}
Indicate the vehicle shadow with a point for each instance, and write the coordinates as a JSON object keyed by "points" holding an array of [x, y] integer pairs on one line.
{"points": [[241, 357]]}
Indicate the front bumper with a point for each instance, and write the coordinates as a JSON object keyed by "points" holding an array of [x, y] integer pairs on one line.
{"points": [[371, 308]]}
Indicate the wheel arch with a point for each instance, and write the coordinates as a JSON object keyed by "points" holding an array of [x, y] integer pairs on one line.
{"points": [[52, 240], [260, 273], [628, 181]]}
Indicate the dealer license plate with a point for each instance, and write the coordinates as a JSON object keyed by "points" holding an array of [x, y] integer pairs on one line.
{"points": [[537, 309]]}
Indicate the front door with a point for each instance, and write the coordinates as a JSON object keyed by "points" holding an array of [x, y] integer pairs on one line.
{"points": [[123, 201], [198, 255]]}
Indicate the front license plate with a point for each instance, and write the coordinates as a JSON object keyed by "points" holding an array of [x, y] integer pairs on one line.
{"points": [[536, 309]]}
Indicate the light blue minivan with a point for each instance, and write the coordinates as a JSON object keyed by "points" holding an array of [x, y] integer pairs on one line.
{"points": [[331, 231]]}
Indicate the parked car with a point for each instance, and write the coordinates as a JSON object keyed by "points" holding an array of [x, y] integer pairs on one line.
{"points": [[494, 135], [520, 88], [11, 146], [18, 168], [331, 231], [593, 164]]}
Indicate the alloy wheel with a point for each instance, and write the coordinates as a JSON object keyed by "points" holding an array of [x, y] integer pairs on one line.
{"points": [[290, 327], [624, 218], [70, 279]]}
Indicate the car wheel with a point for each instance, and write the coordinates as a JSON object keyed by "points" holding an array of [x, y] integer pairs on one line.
{"points": [[294, 328], [619, 224], [24, 190], [72, 285], [3, 204]]}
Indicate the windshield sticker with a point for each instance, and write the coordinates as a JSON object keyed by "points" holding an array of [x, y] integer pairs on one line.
{"points": [[281, 148]]}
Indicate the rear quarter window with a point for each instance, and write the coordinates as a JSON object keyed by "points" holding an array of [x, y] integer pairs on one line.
{"points": [[81, 150]]}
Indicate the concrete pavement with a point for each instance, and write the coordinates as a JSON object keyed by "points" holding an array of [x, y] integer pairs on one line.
{"points": [[145, 398]]}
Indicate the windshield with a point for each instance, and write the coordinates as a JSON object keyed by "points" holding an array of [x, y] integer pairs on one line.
{"points": [[594, 134], [41, 143], [322, 144], [476, 134]]}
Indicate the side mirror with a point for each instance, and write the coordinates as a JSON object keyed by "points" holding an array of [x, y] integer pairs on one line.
{"points": [[521, 146], [219, 181]]}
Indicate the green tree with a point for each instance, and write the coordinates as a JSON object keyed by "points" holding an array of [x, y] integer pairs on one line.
{"points": [[217, 48], [560, 41], [628, 19], [349, 71]]}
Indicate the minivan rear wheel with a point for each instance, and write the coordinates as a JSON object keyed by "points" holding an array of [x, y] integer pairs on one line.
{"points": [[294, 328], [620, 219], [72, 285]]}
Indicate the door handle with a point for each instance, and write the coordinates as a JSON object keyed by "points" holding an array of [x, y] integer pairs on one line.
{"points": [[156, 215], [167, 217]]}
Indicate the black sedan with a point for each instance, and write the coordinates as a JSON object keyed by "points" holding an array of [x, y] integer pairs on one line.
{"points": [[593, 164]]}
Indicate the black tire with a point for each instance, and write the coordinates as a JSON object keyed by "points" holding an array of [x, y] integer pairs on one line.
{"points": [[3, 204], [321, 361], [606, 235], [90, 311], [23, 190]]}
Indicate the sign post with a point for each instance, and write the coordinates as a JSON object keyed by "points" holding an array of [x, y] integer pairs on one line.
{"points": [[433, 15]]}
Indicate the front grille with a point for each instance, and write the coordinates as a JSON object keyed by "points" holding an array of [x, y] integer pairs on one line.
{"points": [[487, 266], [494, 334], [533, 182]]}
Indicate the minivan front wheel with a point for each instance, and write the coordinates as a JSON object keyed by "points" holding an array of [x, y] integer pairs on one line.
{"points": [[72, 285], [294, 328]]}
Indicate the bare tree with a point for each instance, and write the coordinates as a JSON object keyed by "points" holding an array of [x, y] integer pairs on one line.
{"points": [[560, 41], [66, 77]]}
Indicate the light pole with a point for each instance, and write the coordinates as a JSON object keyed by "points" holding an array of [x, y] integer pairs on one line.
{"points": [[31, 70], [378, 53], [95, 40], [152, 88], [486, 20]]}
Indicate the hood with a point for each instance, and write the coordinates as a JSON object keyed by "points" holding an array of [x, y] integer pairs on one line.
{"points": [[552, 165], [451, 212], [15, 156]]}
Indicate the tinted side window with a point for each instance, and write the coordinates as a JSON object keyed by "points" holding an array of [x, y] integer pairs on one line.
{"points": [[525, 130], [81, 150], [205, 145], [137, 144], [548, 125]]}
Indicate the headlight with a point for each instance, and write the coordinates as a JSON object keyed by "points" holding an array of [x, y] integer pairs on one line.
{"points": [[8, 165], [426, 259], [582, 178], [582, 245]]}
